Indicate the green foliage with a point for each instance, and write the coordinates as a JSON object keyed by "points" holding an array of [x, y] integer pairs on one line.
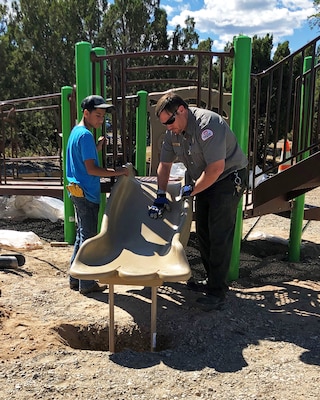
{"points": [[261, 53], [126, 27], [314, 19], [37, 41], [38, 38], [185, 38]]}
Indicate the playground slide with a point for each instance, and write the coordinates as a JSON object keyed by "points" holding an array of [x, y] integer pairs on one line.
{"points": [[132, 248]]}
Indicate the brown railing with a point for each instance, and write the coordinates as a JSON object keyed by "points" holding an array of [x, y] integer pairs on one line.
{"points": [[284, 109], [128, 73], [277, 95], [14, 155]]}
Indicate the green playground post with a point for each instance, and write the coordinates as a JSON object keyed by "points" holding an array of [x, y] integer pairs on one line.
{"points": [[297, 213], [83, 74], [239, 123], [141, 133], [83, 86], [100, 89], [69, 220]]}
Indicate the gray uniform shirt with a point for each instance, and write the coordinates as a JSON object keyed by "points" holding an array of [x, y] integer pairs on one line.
{"points": [[207, 139]]}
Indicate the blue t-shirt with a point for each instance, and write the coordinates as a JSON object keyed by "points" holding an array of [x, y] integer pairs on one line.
{"points": [[81, 147]]}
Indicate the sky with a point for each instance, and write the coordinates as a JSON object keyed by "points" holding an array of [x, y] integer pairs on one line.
{"points": [[221, 20]]}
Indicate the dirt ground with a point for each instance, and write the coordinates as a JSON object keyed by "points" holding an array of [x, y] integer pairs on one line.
{"points": [[264, 344]]}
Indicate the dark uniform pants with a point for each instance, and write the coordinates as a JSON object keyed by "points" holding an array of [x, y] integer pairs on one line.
{"points": [[216, 211]]}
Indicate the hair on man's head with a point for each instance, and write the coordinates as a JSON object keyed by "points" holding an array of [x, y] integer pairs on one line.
{"points": [[169, 102]]}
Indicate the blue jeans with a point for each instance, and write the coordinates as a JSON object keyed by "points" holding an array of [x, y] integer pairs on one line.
{"points": [[87, 226]]}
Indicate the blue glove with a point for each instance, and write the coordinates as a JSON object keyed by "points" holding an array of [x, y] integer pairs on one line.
{"points": [[160, 204], [186, 191]]}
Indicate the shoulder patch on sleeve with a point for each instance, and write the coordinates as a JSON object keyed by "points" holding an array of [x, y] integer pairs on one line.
{"points": [[206, 134]]}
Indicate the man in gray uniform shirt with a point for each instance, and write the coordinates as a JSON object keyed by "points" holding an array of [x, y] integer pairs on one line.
{"points": [[216, 165]]}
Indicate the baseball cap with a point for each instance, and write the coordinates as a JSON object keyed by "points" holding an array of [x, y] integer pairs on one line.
{"points": [[95, 101]]}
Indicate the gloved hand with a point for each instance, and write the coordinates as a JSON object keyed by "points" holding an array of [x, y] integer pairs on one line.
{"points": [[186, 191], [160, 204]]}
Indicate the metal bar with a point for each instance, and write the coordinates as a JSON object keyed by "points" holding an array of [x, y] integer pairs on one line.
{"points": [[252, 228], [164, 53], [210, 85], [39, 108], [27, 189], [153, 317], [123, 111], [114, 88], [289, 100], [144, 82], [221, 68], [33, 98], [199, 80], [278, 106], [111, 318], [161, 68]]}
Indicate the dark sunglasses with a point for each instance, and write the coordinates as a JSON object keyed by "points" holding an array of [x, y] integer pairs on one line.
{"points": [[171, 119]]}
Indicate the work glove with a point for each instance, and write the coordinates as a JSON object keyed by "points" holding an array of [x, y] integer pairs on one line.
{"points": [[160, 204], [186, 191]]}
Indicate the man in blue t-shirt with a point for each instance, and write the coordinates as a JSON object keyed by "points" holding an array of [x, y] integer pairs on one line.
{"points": [[83, 174]]}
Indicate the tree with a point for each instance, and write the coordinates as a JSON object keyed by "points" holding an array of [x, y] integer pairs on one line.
{"points": [[49, 29], [261, 53], [126, 26], [185, 38], [315, 18], [4, 48], [281, 52], [39, 40], [157, 31]]}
